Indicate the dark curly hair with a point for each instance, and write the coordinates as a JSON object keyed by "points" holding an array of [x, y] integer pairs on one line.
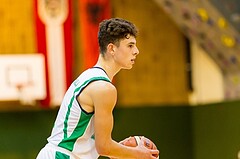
{"points": [[113, 30]]}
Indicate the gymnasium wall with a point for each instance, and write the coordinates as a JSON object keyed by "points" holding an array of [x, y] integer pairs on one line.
{"points": [[215, 131], [180, 132], [17, 27], [159, 75], [24, 133]]}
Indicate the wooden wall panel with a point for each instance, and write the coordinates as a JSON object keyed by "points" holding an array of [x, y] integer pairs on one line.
{"points": [[17, 30], [159, 75]]}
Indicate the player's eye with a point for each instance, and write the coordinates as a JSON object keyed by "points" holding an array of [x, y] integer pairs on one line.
{"points": [[131, 46]]}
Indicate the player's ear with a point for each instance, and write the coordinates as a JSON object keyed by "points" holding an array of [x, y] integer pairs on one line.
{"points": [[111, 48]]}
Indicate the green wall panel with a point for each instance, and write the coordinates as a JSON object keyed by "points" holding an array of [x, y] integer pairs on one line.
{"points": [[23, 134], [216, 131], [180, 132]]}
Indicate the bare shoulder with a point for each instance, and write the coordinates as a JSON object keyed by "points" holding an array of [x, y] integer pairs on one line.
{"points": [[96, 94], [102, 87], [103, 94]]}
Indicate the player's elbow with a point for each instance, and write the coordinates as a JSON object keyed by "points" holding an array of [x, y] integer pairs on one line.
{"points": [[103, 150]]}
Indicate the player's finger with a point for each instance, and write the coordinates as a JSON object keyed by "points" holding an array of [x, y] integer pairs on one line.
{"points": [[155, 153], [124, 140], [141, 140]]}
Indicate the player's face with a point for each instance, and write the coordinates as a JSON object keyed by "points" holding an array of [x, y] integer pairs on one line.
{"points": [[126, 52]]}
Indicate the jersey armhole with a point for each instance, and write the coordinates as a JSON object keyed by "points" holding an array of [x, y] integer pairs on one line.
{"points": [[90, 81]]}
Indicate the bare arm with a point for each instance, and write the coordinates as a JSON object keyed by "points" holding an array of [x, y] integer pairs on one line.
{"points": [[104, 97]]}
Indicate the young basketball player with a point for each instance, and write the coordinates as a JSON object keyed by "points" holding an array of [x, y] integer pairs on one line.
{"points": [[84, 123]]}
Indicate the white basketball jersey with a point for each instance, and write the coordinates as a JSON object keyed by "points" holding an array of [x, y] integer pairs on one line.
{"points": [[73, 129]]}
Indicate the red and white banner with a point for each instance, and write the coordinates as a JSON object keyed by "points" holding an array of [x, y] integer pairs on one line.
{"points": [[92, 12], [54, 41]]}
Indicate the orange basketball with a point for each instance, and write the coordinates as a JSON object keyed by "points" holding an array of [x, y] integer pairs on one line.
{"points": [[133, 141]]}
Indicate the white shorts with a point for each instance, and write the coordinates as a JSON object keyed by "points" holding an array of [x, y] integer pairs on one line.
{"points": [[53, 152]]}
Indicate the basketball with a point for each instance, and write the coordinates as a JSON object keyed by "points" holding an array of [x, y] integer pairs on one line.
{"points": [[133, 141]]}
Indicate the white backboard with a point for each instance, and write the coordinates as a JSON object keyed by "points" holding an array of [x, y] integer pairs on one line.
{"points": [[22, 76]]}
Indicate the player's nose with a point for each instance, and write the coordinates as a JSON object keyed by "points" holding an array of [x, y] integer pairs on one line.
{"points": [[136, 51]]}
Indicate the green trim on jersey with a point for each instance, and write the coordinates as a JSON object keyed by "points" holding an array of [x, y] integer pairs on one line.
{"points": [[60, 155], [68, 142]]}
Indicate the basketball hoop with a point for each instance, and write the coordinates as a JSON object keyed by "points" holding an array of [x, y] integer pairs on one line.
{"points": [[24, 78], [25, 95]]}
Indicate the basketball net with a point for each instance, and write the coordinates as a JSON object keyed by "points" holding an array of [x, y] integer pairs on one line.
{"points": [[25, 94]]}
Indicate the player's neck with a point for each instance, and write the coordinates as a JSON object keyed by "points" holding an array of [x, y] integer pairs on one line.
{"points": [[108, 65]]}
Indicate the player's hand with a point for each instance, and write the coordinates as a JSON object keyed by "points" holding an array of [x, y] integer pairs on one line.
{"points": [[128, 142], [146, 153], [123, 141]]}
